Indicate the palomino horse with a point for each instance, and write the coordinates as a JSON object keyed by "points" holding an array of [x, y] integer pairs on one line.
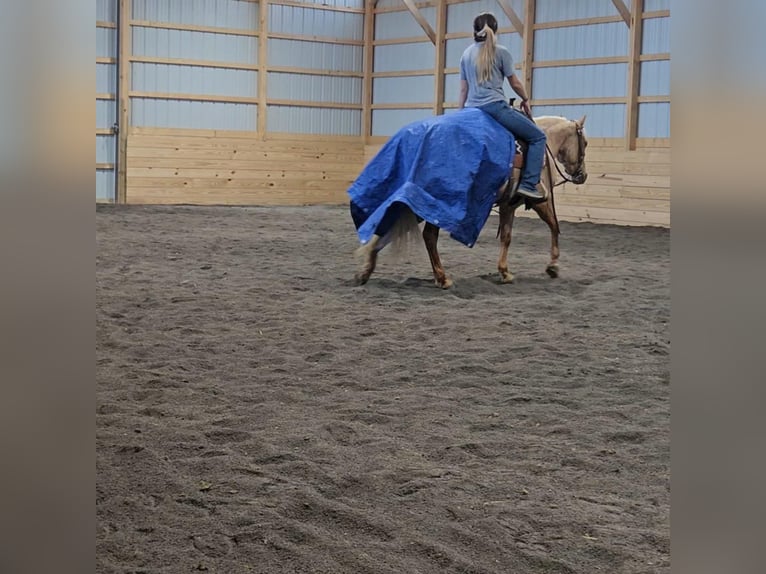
{"points": [[566, 143]]}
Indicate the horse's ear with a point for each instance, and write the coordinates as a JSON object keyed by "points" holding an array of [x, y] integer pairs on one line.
{"points": [[581, 121]]}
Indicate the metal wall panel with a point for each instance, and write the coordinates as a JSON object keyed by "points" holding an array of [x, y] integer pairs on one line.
{"points": [[315, 55], [219, 13], [389, 4], [455, 48], [310, 22], [105, 182], [655, 78], [393, 25], [314, 121], [656, 36], [604, 120], [106, 149], [106, 78], [654, 120], [172, 79], [595, 81], [451, 87], [557, 10], [358, 4], [305, 87], [388, 122], [652, 5], [106, 10], [403, 57], [183, 44], [148, 112], [408, 90], [460, 16], [106, 110], [593, 41]]}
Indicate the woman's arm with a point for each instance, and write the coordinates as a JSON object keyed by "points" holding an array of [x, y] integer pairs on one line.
{"points": [[518, 87], [463, 94]]}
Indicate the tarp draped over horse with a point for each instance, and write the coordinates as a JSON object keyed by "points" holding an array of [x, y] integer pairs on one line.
{"points": [[448, 169]]}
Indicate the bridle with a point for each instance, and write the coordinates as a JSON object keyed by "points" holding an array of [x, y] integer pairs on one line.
{"points": [[580, 159]]}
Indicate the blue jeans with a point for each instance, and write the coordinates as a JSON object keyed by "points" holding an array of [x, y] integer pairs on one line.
{"points": [[524, 129]]}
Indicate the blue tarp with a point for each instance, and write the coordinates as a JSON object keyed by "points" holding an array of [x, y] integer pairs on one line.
{"points": [[447, 169]]}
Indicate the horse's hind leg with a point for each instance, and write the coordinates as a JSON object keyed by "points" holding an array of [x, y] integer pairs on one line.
{"points": [[545, 210], [505, 227], [370, 253], [431, 237]]}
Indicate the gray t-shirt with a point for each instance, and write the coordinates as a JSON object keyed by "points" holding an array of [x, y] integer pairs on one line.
{"points": [[483, 93]]}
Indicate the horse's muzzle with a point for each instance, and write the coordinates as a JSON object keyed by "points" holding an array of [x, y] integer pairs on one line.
{"points": [[580, 177]]}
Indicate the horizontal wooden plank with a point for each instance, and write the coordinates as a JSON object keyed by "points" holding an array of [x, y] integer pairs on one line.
{"points": [[294, 196], [407, 40], [105, 96], [194, 97], [271, 140], [196, 63], [613, 201], [316, 183], [249, 171], [318, 39], [105, 166], [653, 99], [656, 14], [580, 62], [234, 159], [613, 215], [309, 104], [403, 74], [194, 28], [103, 24], [654, 57], [403, 106], [596, 168], [578, 22], [104, 131], [596, 193], [106, 60], [577, 101], [313, 6], [618, 179], [313, 72]]}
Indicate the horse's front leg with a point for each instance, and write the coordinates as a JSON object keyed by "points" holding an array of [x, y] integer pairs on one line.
{"points": [[545, 211], [506, 225], [370, 254], [431, 237]]}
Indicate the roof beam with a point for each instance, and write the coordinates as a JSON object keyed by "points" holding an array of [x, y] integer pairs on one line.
{"points": [[623, 10], [513, 17], [418, 15]]}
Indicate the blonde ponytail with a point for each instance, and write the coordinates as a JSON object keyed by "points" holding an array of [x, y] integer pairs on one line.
{"points": [[486, 59]]}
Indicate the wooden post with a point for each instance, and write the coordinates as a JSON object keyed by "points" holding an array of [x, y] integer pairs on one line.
{"points": [[634, 73], [441, 45], [263, 41], [369, 33], [529, 44], [123, 98]]}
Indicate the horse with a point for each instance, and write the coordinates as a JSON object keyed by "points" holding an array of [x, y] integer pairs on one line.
{"points": [[566, 144]]}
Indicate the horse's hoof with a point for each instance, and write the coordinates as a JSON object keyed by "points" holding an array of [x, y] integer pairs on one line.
{"points": [[446, 284], [506, 277], [361, 279], [552, 270]]}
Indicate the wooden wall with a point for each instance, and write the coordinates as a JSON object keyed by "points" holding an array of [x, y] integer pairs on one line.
{"points": [[239, 168]]}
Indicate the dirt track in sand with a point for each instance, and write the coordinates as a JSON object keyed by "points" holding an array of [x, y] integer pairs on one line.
{"points": [[256, 412]]}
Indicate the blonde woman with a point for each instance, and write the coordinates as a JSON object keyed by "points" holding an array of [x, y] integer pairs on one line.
{"points": [[483, 68]]}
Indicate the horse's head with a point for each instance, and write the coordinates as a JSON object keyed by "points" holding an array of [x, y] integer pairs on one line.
{"points": [[571, 152]]}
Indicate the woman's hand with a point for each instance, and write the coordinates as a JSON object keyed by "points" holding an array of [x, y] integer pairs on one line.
{"points": [[525, 108]]}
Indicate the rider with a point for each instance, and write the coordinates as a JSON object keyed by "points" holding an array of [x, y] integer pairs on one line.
{"points": [[483, 67]]}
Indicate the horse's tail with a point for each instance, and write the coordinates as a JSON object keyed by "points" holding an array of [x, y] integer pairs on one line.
{"points": [[404, 233]]}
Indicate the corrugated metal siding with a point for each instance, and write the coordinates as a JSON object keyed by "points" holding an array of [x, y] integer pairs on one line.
{"points": [[652, 5], [183, 44], [656, 36], [604, 120], [593, 41], [451, 87], [305, 87], [314, 121], [557, 10], [106, 78], [106, 10], [314, 55], [411, 90], [106, 110], [655, 78], [219, 13], [358, 4], [402, 24], [460, 16], [602, 80], [389, 3], [654, 120], [387, 122], [105, 181], [149, 112], [171, 79], [402, 57], [310, 22]]}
